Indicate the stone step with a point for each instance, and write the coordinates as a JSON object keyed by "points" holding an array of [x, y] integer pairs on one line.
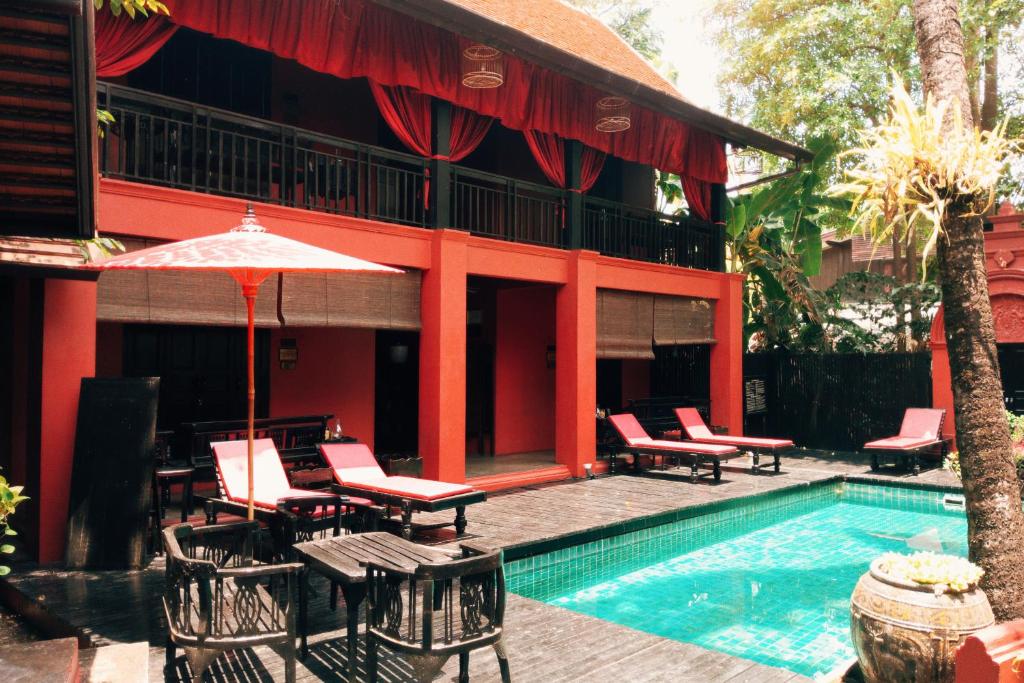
{"points": [[120, 663]]}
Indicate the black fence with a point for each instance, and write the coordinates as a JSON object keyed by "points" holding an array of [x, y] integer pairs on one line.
{"points": [[835, 401]]}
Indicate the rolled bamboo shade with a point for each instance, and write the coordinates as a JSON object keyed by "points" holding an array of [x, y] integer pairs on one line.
{"points": [[371, 300], [683, 320], [625, 322]]}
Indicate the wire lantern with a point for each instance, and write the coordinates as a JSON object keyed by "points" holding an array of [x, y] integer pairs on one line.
{"points": [[612, 114], [482, 67]]}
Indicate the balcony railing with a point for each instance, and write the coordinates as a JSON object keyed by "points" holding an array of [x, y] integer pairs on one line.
{"points": [[165, 141]]}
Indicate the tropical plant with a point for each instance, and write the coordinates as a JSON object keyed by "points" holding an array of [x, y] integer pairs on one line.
{"points": [[132, 7], [934, 171], [10, 498], [773, 235]]}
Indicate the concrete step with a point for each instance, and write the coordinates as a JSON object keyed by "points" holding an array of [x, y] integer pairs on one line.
{"points": [[512, 480], [120, 663], [44, 660]]}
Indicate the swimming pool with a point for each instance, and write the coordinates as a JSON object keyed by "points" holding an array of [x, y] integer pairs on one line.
{"points": [[768, 580]]}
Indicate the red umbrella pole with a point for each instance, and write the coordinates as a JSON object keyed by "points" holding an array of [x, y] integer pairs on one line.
{"points": [[249, 292]]}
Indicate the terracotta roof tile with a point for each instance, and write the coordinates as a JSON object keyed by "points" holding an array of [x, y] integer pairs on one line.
{"points": [[573, 31]]}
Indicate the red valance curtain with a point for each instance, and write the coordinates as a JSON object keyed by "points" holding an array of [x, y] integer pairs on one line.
{"points": [[549, 151], [124, 44], [698, 196], [355, 38], [700, 155]]}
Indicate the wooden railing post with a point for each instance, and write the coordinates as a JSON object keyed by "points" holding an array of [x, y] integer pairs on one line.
{"points": [[574, 198], [718, 203], [440, 166]]}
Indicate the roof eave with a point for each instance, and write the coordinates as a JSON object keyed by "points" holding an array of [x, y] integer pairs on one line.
{"points": [[477, 27]]}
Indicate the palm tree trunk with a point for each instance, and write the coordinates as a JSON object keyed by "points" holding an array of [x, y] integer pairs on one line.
{"points": [[994, 516]]}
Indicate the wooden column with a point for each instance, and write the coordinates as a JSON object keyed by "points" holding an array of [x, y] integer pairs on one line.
{"points": [[442, 391], [576, 364], [440, 169], [574, 200], [718, 204]]}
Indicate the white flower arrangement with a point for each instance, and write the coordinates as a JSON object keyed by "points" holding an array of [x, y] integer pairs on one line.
{"points": [[944, 573]]}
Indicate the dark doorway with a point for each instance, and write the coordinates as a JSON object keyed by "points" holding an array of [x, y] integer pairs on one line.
{"points": [[1011, 366], [201, 369], [396, 409], [682, 371], [609, 384]]}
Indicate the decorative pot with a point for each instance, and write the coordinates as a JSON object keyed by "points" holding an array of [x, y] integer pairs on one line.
{"points": [[904, 633]]}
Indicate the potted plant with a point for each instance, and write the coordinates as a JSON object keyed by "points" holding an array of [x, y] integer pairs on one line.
{"points": [[909, 614], [10, 498]]}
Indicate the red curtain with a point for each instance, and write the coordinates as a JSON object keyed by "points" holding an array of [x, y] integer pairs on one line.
{"points": [[407, 112], [124, 44], [355, 38], [468, 131], [698, 196], [549, 151]]}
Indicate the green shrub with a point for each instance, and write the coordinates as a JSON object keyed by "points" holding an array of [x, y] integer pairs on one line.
{"points": [[1016, 422], [10, 498]]}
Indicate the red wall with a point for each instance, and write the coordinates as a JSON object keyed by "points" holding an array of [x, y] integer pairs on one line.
{"points": [[334, 374], [636, 379], [524, 385]]}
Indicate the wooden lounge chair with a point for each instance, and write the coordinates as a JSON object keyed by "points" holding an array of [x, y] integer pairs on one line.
{"points": [[290, 514], [358, 474], [695, 430], [638, 442], [920, 433], [218, 598]]}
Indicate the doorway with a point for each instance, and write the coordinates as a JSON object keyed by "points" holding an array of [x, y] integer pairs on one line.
{"points": [[201, 369], [396, 394], [1011, 369]]}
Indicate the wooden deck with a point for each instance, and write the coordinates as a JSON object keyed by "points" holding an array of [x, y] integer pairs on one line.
{"points": [[545, 643]]}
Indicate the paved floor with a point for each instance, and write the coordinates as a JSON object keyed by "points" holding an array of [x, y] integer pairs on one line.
{"points": [[545, 643], [484, 465]]}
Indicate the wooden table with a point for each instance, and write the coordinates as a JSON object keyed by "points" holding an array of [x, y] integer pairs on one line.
{"points": [[342, 560]]}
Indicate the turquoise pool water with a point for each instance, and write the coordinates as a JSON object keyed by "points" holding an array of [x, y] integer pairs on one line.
{"points": [[768, 580]]}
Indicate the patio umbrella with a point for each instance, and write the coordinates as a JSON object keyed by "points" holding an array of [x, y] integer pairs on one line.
{"points": [[249, 254]]}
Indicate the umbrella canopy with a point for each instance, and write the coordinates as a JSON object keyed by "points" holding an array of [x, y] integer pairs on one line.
{"points": [[249, 254]]}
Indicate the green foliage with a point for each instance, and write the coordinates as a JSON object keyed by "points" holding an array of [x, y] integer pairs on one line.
{"points": [[773, 235], [10, 498], [1016, 438], [861, 312], [631, 19], [132, 7]]}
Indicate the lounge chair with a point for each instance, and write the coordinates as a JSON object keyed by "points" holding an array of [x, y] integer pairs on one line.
{"points": [[291, 514], [358, 474], [638, 443], [920, 433], [695, 430]]}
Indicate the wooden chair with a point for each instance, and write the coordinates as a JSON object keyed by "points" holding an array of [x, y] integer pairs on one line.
{"points": [[437, 611], [217, 598]]}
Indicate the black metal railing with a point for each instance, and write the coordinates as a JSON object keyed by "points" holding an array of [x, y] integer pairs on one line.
{"points": [[507, 209], [166, 141], [646, 235]]}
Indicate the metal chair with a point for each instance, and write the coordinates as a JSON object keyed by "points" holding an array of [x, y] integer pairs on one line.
{"points": [[217, 598], [437, 611]]}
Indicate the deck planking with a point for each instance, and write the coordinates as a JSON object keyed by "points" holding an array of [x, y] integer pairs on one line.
{"points": [[545, 642]]}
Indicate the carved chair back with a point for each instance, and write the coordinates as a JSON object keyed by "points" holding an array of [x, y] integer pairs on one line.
{"points": [[216, 592], [439, 608]]}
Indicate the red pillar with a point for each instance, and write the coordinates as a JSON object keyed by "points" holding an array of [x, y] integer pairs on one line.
{"points": [[942, 387], [442, 406], [69, 354], [727, 357], [576, 364]]}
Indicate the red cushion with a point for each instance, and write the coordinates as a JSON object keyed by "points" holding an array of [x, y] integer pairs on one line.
{"points": [[900, 443], [628, 427], [410, 487], [922, 423], [693, 423], [351, 461], [269, 479], [685, 446], [745, 441]]}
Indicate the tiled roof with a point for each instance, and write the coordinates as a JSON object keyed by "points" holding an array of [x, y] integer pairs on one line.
{"points": [[573, 31]]}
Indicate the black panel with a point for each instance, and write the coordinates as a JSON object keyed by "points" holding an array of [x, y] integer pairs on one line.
{"points": [[113, 468]]}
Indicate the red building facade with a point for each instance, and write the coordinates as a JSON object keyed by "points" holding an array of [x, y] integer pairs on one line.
{"points": [[540, 282]]}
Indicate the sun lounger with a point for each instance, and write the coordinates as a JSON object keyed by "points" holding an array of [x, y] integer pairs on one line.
{"points": [[288, 512], [357, 473], [695, 430], [638, 442], [920, 433]]}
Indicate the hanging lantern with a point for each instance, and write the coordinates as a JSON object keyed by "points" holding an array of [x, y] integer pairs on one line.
{"points": [[482, 67], [612, 114], [746, 161]]}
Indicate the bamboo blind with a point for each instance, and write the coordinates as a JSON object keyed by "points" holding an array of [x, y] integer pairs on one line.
{"points": [[683, 320], [624, 324]]}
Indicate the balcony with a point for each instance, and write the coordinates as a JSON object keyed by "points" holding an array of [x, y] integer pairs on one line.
{"points": [[164, 141]]}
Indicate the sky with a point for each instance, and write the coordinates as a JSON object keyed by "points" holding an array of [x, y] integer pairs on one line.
{"points": [[688, 47]]}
